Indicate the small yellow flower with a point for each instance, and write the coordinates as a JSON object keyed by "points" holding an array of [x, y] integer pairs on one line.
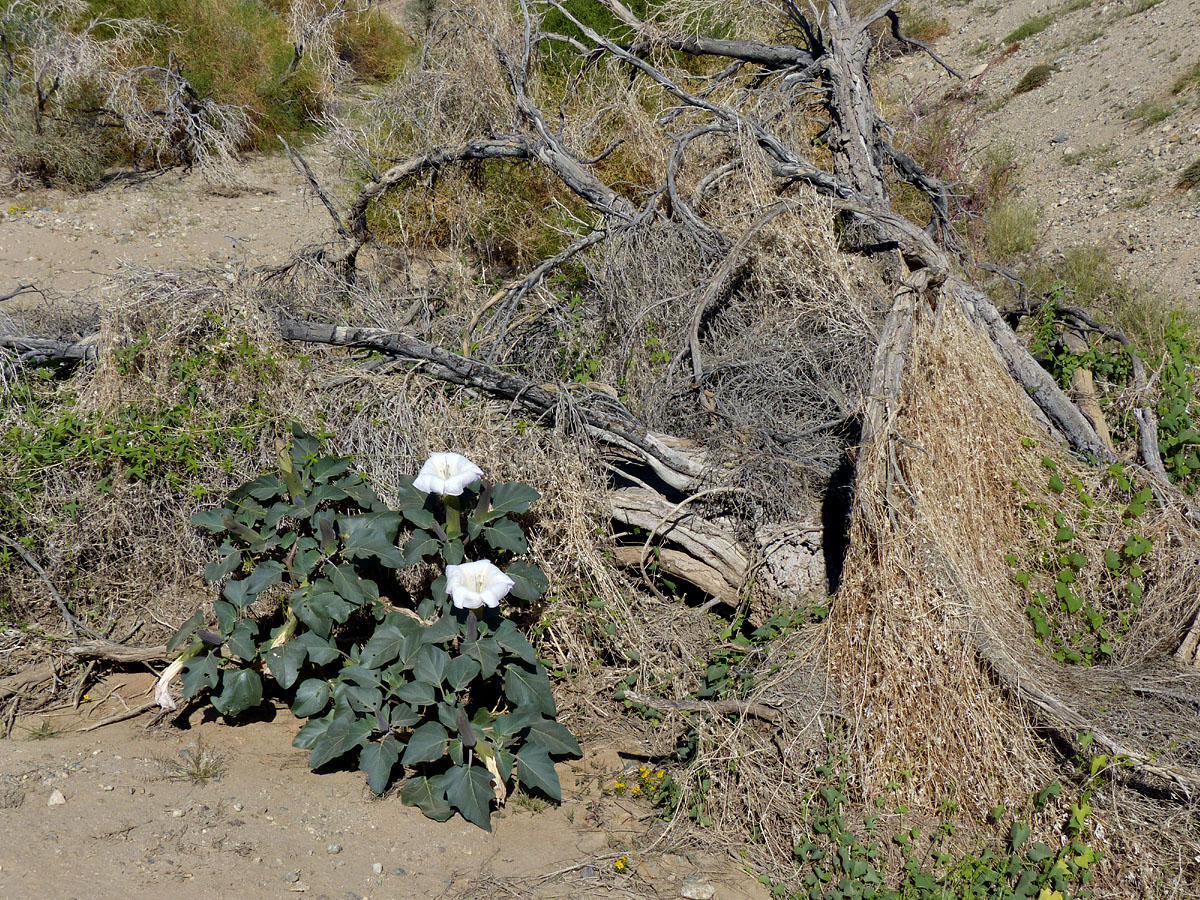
{"points": [[636, 789], [660, 774], [87, 696], [621, 863], [619, 786]]}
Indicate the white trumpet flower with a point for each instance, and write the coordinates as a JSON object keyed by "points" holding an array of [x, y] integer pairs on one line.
{"points": [[162, 690], [475, 584], [447, 473]]}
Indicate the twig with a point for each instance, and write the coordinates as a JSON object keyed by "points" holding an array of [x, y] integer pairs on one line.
{"points": [[73, 624], [714, 707], [121, 716]]}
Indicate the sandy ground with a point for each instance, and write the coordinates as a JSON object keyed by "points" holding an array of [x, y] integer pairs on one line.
{"points": [[109, 814]]}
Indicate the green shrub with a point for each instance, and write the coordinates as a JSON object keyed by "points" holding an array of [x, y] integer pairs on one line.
{"points": [[1012, 228], [309, 594], [1036, 25], [1034, 78]]}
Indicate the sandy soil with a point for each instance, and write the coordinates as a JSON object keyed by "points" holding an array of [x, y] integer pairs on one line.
{"points": [[110, 814], [1100, 173]]}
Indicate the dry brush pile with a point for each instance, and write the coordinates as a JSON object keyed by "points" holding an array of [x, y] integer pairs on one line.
{"points": [[656, 274]]}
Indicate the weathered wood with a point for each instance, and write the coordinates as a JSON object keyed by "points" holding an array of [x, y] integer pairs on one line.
{"points": [[109, 651]]}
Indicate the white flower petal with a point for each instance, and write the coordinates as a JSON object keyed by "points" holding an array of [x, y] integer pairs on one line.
{"points": [[475, 584], [447, 473], [162, 689]]}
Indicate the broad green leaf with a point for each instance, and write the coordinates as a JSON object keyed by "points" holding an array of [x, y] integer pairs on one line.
{"points": [[1018, 835], [427, 744], [509, 637], [209, 519], [329, 603], [525, 688], [240, 690], [186, 630], [347, 583], [311, 732], [311, 698], [512, 723], [453, 552], [227, 564], [264, 575], [243, 641], [327, 467], [461, 672], [226, 616], [510, 497], [505, 534], [200, 672], [306, 613], [442, 630], [418, 693], [428, 794], [535, 768], [484, 652], [360, 675], [238, 593], [403, 716], [367, 536], [319, 649], [529, 582], [284, 662], [555, 737], [430, 664], [469, 790], [384, 646], [345, 732], [263, 488], [420, 545], [422, 518], [360, 492], [378, 759]]}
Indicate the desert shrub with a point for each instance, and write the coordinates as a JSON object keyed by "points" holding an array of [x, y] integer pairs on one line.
{"points": [[1189, 177], [1034, 78], [1012, 228], [401, 675], [1029, 28]]}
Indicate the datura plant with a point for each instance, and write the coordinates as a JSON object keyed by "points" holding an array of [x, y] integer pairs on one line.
{"points": [[442, 687]]}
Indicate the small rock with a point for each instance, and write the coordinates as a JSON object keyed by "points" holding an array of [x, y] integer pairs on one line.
{"points": [[177, 814], [56, 798], [238, 807], [587, 872], [106, 787], [334, 848], [399, 871], [1060, 139], [979, 70], [377, 868], [697, 890], [291, 877]]}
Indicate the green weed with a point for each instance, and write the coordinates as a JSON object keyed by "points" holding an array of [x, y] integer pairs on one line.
{"points": [[1028, 29], [1034, 78]]}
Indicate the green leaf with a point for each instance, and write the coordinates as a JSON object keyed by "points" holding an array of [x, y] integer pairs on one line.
{"points": [[378, 759], [510, 497], [360, 675], [418, 693], [327, 467], [284, 662], [535, 768], [442, 630], [404, 716], [428, 794], [525, 688], [461, 672], [1065, 533], [319, 650], [512, 723], [237, 593], [506, 534], [1018, 835], [484, 652], [529, 582], [199, 672], [227, 564], [360, 492], [453, 552], [264, 575], [469, 790], [346, 582], [420, 545], [371, 535], [509, 637], [345, 732], [311, 698], [209, 519], [430, 664], [384, 645], [426, 744], [243, 640], [186, 630], [240, 690], [1078, 560], [1038, 852], [555, 737], [226, 616]]}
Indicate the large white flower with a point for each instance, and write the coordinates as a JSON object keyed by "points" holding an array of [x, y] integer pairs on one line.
{"points": [[447, 473], [475, 584]]}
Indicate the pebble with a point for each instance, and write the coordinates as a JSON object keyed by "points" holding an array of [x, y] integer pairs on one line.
{"points": [[238, 807], [56, 798], [697, 890], [377, 868], [291, 877], [177, 814], [106, 787]]}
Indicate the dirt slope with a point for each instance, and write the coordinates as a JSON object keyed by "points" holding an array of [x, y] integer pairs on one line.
{"points": [[1092, 156]]}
